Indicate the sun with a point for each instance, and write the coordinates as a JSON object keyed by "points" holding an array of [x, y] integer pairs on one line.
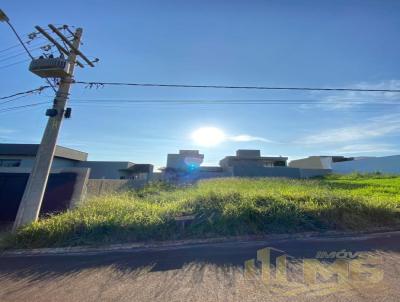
{"points": [[208, 136]]}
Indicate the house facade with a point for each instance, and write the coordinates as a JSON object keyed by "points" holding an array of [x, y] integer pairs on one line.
{"points": [[384, 164], [117, 170], [346, 165], [21, 158], [185, 167], [318, 162], [184, 161], [252, 158]]}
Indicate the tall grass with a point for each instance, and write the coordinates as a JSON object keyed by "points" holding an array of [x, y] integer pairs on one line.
{"points": [[222, 207]]}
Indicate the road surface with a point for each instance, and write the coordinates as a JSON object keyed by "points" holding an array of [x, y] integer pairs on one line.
{"points": [[204, 272]]}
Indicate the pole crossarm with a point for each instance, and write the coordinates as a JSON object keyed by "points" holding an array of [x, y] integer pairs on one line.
{"points": [[60, 47], [72, 47]]}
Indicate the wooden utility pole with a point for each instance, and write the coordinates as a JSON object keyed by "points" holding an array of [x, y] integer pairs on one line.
{"points": [[32, 199]]}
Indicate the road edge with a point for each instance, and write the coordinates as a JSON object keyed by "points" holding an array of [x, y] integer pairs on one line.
{"points": [[328, 235]]}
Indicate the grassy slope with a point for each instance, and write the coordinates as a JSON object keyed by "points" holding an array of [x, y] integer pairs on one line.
{"points": [[223, 207]]}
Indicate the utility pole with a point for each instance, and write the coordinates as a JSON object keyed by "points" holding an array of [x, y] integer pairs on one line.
{"points": [[32, 199]]}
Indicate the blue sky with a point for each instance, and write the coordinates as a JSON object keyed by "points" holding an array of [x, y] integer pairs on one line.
{"points": [[320, 43]]}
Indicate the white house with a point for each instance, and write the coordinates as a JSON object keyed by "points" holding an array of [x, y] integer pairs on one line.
{"points": [[384, 164], [345, 165]]}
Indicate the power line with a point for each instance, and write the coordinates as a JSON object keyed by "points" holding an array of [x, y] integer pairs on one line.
{"points": [[14, 99], [225, 101], [192, 102], [19, 39], [91, 84], [21, 51], [26, 49], [22, 61], [19, 95], [36, 90], [22, 106], [8, 48], [13, 64], [243, 101], [12, 47], [31, 36], [31, 47], [13, 55]]}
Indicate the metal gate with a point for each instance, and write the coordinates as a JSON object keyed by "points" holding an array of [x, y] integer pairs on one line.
{"points": [[60, 188]]}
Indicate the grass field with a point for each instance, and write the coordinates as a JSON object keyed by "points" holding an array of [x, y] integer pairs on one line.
{"points": [[223, 207]]}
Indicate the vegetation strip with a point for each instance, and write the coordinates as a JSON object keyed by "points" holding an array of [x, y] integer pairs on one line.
{"points": [[221, 207]]}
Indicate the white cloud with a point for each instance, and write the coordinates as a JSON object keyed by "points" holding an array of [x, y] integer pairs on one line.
{"points": [[366, 148], [370, 128], [348, 99], [248, 138]]}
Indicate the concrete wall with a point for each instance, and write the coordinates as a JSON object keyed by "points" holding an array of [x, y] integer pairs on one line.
{"points": [[228, 162], [107, 170], [386, 164], [257, 171], [312, 162], [250, 163], [245, 171], [96, 187], [196, 176], [157, 176], [242, 171], [80, 187]]}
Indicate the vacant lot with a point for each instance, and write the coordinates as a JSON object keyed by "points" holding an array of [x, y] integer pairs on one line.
{"points": [[223, 207]]}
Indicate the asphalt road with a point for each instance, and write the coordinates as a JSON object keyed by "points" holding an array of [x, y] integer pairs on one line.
{"points": [[205, 272]]}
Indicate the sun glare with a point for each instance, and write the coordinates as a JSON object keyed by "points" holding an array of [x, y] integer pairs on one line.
{"points": [[208, 136]]}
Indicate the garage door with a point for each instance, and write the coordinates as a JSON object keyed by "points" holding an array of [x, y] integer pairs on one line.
{"points": [[60, 188]]}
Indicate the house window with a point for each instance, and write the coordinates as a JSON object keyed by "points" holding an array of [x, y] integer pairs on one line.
{"points": [[280, 164], [10, 163]]}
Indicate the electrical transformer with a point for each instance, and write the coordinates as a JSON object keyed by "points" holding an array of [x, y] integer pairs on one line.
{"points": [[50, 67]]}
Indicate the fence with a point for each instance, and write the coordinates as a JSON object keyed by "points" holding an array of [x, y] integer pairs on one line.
{"points": [[96, 187]]}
